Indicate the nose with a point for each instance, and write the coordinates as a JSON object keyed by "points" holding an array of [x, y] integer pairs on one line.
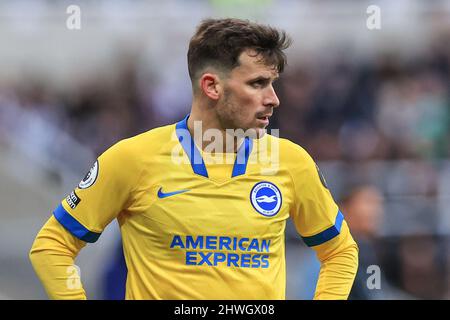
{"points": [[271, 98]]}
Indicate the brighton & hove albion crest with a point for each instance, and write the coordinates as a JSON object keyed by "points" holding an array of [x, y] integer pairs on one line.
{"points": [[266, 198], [90, 177]]}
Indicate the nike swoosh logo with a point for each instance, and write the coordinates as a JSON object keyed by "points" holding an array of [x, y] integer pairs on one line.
{"points": [[162, 195]]}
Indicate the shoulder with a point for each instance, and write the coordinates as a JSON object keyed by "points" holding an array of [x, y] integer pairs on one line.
{"points": [[135, 152], [290, 153], [145, 144], [128, 158]]}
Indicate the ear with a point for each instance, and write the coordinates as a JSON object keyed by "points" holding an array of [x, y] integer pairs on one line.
{"points": [[209, 84]]}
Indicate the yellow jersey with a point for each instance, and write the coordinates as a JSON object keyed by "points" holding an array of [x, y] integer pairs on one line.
{"points": [[195, 228]]}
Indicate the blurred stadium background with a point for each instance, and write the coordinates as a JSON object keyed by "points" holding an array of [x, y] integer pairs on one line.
{"points": [[371, 106]]}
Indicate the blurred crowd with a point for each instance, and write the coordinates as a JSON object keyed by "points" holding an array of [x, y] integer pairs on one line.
{"points": [[338, 106], [389, 107]]}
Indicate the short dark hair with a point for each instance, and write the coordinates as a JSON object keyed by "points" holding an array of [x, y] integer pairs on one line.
{"points": [[219, 42]]}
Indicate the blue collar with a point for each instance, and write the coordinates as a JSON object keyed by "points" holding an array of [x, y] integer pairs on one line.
{"points": [[197, 163]]}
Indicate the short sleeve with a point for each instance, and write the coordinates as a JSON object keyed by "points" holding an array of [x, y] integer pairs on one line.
{"points": [[102, 194], [315, 214]]}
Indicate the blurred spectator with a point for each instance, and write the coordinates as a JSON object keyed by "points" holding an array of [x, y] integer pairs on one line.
{"points": [[423, 266], [363, 211]]}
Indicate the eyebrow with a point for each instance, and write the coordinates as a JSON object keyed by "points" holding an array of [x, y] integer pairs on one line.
{"points": [[263, 78]]}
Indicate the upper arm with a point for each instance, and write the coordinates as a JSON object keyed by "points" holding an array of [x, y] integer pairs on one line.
{"points": [[101, 195], [315, 214]]}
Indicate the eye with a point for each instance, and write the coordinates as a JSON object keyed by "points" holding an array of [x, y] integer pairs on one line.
{"points": [[259, 83]]}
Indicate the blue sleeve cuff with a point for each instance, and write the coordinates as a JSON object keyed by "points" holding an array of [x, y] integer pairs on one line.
{"points": [[327, 234], [73, 226]]}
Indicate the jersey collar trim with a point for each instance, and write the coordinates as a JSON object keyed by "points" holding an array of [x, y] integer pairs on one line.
{"points": [[197, 163], [240, 164], [185, 139]]}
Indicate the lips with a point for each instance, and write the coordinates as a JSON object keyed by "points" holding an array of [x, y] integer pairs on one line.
{"points": [[264, 117]]}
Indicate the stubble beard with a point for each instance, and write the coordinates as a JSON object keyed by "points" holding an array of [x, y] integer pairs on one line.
{"points": [[229, 118]]}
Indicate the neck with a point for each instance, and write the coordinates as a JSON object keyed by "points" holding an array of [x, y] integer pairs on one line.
{"points": [[206, 129]]}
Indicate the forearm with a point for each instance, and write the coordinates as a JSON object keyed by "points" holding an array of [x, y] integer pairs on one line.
{"points": [[52, 255], [339, 264]]}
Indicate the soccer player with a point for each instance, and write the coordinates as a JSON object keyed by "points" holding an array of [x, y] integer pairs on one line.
{"points": [[195, 224]]}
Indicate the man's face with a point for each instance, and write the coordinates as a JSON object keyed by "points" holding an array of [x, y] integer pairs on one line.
{"points": [[248, 97]]}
